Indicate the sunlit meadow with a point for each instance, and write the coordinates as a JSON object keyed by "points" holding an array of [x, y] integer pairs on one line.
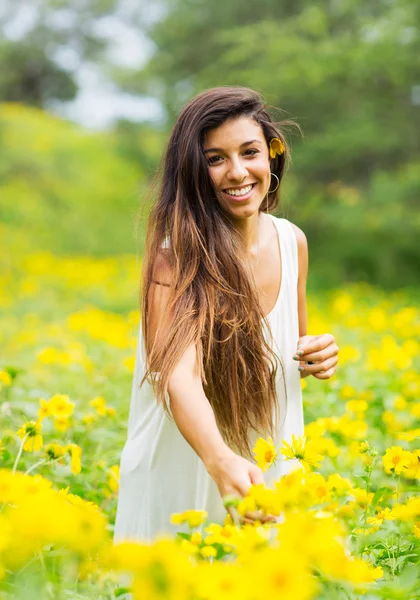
{"points": [[349, 517]]}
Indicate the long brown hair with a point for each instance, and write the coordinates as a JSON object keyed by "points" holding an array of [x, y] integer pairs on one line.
{"points": [[213, 295]]}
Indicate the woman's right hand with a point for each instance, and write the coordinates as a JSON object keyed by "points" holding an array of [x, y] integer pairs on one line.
{"points": [[234, 475]]}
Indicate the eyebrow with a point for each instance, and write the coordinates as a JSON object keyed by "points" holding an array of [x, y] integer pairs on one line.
{"points": [[221, 149]]}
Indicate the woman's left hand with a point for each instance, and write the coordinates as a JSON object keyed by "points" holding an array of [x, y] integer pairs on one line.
{"points": [[320, 350]]}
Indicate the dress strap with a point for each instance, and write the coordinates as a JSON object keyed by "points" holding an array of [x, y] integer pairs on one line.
{"points": [[289, 249]]}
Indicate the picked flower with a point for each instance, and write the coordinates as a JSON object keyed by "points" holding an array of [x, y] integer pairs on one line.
{"points": [[265, 453], [276, 147]]}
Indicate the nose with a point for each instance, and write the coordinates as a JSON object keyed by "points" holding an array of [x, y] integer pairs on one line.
{"points": [[237, 170]]}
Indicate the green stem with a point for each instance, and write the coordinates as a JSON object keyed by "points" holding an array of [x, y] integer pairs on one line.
{"points": [[19, 454], [40, 462]]}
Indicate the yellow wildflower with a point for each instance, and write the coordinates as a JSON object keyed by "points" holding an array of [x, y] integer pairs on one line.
{"points": [[88, 419], [304, 451], [208, 552], [276, 147], [31, 432], [338, 484], [359, 571], [60, 406], [396, 459], [62, 423], [409, 436], [356, 406], [363, 447], [44, 409], [218, 534], [265, 453], [113, 481], [75, 453], [362, 497], [5, 379], [381, 516], [412, 470], [400, 403], [98, 403], [347, 391], [194, 518], [54, 452]]}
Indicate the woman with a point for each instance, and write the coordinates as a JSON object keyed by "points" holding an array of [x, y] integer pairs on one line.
{"points": [[222, 343]]}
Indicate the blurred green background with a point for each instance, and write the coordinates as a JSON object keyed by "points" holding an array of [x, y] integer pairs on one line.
{"points": [[348, 71]]}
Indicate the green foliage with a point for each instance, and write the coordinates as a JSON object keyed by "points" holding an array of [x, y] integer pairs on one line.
{"points": [[65, 189], [59, 36]]}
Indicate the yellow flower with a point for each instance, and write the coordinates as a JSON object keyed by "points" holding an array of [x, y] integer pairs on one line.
{"points": [[62, 423], [400, 403], [75, 452], [356, 406], [110, 411], [276, 147], [265, 453], [396, 459], [31, 431], [88, 419], [54, 451], [194, 518], [359, 571], [60, 406], [113, 481], [363, 447], [381, 516], [44, 409], [306, 452], [412, 471], [208, 552], [98, 403], [5, 379]]}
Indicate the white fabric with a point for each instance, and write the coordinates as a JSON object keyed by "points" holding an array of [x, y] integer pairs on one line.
{"points": [[160, 473]]}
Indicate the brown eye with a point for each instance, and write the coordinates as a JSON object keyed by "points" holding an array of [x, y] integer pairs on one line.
{"points": [[213, 159]]}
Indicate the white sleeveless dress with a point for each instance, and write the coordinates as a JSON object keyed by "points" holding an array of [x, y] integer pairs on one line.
{"points": [[159, 472]]}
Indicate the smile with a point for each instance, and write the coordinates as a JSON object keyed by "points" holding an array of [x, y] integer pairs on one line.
{"points": [[240, 192]]}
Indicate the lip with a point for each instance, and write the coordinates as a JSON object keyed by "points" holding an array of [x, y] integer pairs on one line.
{"points": [[241, 198]]}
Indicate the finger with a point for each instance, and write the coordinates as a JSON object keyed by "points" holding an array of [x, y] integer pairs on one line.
{"points": [[256, 476], [325, 374], [236, 518], [319, 356], [315, 344], [319, 367], [259, 516]]}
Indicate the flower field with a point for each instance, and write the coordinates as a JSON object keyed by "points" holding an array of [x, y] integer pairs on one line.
{"points": [[349, 518]]}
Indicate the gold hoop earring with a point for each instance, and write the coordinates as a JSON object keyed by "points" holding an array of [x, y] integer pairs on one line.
{"points": [[278, 183]]}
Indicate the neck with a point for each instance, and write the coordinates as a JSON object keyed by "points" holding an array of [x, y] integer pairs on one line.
{"points": [[250, 230]]}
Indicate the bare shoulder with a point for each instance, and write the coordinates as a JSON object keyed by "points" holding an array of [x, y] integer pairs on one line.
{"points": [[302, 244], [301, 238]]}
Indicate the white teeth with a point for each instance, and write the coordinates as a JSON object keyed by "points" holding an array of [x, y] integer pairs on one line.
{"points": [[241, 192]]}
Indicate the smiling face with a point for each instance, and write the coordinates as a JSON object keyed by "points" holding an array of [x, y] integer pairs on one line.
{"points": [[239, 165]]}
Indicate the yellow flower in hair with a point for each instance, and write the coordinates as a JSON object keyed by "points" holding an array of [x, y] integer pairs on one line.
{"points": [[276, 147]]}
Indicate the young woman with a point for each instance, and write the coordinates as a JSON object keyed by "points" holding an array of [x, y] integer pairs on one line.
{"points": [[222, 342]]}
